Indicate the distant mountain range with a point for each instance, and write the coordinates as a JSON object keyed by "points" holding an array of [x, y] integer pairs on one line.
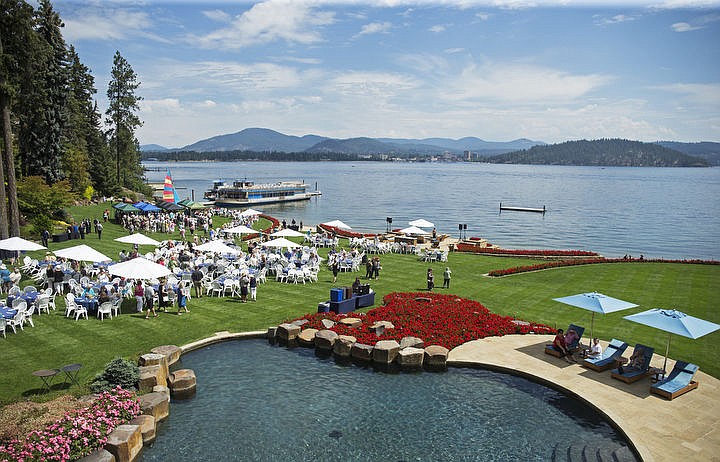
{"points": [[266, 140], [313, 147]]}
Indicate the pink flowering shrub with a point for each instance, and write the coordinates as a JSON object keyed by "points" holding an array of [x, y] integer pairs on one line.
{"points": [[78, 433]]}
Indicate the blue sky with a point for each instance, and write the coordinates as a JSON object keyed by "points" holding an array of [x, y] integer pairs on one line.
{"points": [[502, 70]]}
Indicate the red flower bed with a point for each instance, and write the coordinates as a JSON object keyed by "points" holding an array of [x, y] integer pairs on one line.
{"points": [[591, 261], [538, 253], [437, 319]]}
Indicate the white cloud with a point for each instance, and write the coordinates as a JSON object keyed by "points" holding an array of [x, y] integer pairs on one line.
{"points": [[273, 20], [451, 51], [217, 15], [684, 27], [375, 28], [107, 24], [372, 84], [160, 105], [617, 19], [437, 28], [696, 93], [523, 84], [208, 103]]}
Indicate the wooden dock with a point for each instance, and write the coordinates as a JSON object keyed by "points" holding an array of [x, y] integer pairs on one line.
{"points": [[522, 209]]}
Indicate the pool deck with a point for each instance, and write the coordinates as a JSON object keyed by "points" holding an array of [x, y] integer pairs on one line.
{"points": [[684, 429]]}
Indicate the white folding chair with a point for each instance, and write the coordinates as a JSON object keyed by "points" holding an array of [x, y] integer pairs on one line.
{"points": [[105, 309]]}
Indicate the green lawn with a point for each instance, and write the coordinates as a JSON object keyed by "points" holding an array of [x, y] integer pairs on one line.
{"points": [[56, 340]]}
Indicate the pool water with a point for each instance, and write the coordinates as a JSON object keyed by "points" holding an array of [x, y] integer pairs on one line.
{"points": [[260, 402]]}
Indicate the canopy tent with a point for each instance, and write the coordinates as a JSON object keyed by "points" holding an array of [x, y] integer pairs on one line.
{"points": [[336, 224], [250, 213], [192, 205], [137, 238], [413, 230], [216, 246], [242, 229], [147, 207], [82, 252], [597, 303], [674, 322], [169, 206], [421, 223], [139, 268], [280, 242], [127, 208], [287, 232], [18, 244]]}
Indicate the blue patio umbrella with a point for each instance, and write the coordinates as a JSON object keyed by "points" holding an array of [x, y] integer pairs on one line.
{"points": [[674, 322], [597, 303]]}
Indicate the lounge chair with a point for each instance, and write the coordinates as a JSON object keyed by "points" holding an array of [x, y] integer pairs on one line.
{"points": [[609, 358], [630, 374], [678, 382], [550, 350]]}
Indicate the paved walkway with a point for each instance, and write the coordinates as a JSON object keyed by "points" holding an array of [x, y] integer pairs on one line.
{"points": [[685, 429]]}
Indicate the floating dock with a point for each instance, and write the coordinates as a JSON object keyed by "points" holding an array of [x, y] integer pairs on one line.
{"points": [[522, 209]]}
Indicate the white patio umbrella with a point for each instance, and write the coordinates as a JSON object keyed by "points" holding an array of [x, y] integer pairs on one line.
{"points": [[137, 238], [280, 242], [421, 223], [413, 230], [250, 213], [82, 252], [242, 229], [597, 303], [287, 232], [674, 322], [216, 246], [139, 268], [337, 224], [18, 244]]}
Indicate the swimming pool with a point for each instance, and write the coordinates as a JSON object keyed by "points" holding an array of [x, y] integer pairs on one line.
{"points": [[260, 402]]}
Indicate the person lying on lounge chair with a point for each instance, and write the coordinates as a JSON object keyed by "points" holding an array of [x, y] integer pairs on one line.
{"points": [[561, 346], [637, 360]]}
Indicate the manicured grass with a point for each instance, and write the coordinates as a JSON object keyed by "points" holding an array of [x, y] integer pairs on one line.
{"points": [[56, 340]]}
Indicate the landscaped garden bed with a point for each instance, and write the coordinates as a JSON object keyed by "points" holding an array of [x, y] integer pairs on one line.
{"points": [[438, 319]]}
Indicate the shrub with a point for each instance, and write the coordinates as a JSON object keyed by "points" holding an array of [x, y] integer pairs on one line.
{"points": [[118, 372]]}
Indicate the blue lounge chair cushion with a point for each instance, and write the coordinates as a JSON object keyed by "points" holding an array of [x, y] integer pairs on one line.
{"points": [[679, 378], [612, 353]]}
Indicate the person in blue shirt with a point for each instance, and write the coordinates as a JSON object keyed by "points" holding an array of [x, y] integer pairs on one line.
{"points": [[88, 292], [5, 277]]}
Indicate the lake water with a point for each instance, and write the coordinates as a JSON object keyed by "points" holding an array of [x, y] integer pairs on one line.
{"points": [[258, 402], [658, 212]]}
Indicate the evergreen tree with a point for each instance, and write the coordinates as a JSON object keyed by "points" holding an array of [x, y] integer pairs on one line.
{"points": [[46, 91], [123, 122], [101, 160], [78, 128], [15, 54]]}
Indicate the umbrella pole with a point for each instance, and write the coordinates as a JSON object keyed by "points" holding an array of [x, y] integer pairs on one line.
{"points": [[592, 328], [667, 350]]}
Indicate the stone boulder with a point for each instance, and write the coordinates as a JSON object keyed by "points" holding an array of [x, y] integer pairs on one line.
{"points": [[385, 351], [171, 352], [125, 443], [147, 427], [325, 339], [361, 352], [99, 455], [411, 342], [299, 322], [328, 323], [343, 346], [155, 404], [384, 324], [151, 376], [351, 322], [307, 337], [410, 357], [436, 357], [182, 384], [161, 389], [288, 331]]}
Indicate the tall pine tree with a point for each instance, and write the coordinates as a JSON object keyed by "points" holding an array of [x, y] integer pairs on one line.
{"points": [[45, 95], [15, 54], [123, 122]]}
